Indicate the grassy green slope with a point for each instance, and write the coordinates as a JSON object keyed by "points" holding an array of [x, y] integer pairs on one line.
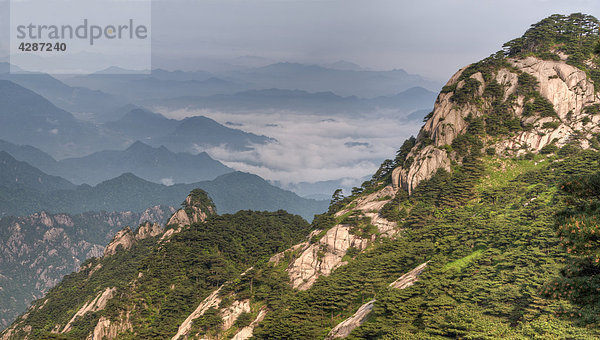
{"points": [[488, 260]]}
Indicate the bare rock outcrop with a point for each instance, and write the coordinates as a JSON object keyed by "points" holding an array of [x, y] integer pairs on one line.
{"points": [[95, 305], [105, 329], [213, 300], [126, 238], [123, 239], [325, 255], [194, 211], [197, 207], [248, 331], [230, 314], [344, 328], [409, 278], [147, 230], [566, 87]]}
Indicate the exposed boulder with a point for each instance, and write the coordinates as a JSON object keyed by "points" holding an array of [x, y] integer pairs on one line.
{"points": [[124, 239], [148, 230]]}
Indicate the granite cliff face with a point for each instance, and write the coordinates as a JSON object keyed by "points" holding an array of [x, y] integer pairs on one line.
{"points": [[125, 238], [568, 89], [36, 251], [327, 253]]}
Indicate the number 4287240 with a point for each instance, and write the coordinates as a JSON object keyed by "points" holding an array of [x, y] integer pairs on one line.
{"points": [[42, 47]]}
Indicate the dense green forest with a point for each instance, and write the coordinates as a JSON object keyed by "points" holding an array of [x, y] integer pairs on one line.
{"points": [[160, 283], [491, 260]]}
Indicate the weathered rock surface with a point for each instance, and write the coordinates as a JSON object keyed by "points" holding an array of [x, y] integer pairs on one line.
{"points": [[36, 251], [193, 212], [565, 86], [346, 327], [148, 230], [213, 300], [409, 278], [95, 305], [105, 329], [247, 332], [124, 240], [325, 255], [231, 313]]}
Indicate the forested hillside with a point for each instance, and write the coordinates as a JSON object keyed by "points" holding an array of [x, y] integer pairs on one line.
{"points": [[484, 226]]}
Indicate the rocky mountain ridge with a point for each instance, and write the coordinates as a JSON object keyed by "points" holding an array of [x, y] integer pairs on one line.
{"points": [[567, 88], [38, 250]]}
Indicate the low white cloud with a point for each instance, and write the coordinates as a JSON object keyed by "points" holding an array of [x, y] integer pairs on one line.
{"points": [[167, 181], [310, 148]]}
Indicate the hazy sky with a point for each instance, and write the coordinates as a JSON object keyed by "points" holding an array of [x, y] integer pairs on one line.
{"points": [[429, 37]]}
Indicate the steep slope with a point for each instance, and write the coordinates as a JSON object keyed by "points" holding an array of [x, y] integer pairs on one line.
{"points": [[143, 125], [158, 165], [198, 133], [97, 105], [38, 250], [191, 134], [29, 154], [193, 261], [454, 238]]}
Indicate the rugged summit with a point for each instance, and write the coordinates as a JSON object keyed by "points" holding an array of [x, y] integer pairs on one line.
{"points": [[544, 102], [197, 207]]}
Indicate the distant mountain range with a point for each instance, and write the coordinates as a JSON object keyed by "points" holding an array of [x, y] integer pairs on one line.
{"points": [[329, 88], [35, 191], [343, 79], [400, 104], [153, 164], [29, 119], [343, 82], [91, 104], [190, 134]]}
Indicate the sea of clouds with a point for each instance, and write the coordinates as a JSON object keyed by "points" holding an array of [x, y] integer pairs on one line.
{"points": [[310, 148]]}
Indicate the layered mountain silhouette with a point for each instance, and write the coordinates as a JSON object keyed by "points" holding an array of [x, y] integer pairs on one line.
{"points": [[25, 189], [305, 102], [27, 118], [158, 164], [191, 134]]}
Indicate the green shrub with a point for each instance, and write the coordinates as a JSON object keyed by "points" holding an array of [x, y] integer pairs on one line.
{"points": [[548, 149], [551, 125]]}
